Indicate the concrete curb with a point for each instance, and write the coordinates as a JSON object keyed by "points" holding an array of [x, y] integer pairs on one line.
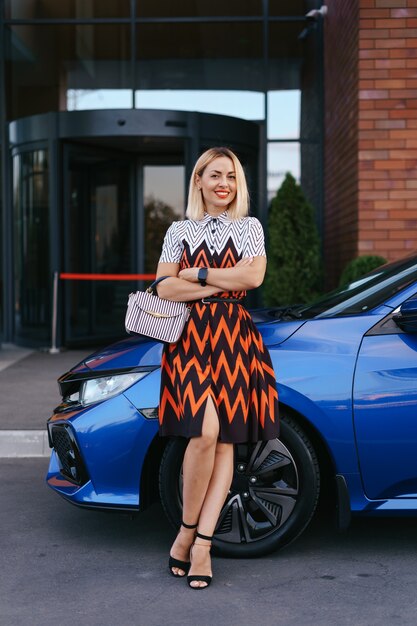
{"points": [[24, 443], [36, 372], [20, 443]]}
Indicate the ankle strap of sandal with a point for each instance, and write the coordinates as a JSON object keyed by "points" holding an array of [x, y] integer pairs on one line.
{"points": [[206, 537], [189, 525]]}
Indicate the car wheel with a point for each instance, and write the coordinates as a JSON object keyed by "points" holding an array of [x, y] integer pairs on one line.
{"points": [[272, 499]]}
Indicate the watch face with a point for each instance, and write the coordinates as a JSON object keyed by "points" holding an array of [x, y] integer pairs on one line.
{"points": [[202, 275]]}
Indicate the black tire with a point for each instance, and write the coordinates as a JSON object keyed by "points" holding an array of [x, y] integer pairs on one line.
{"points": [[273, 497]]}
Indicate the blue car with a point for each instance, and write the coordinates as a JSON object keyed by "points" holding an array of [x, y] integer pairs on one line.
{"points": [[346, 370]]}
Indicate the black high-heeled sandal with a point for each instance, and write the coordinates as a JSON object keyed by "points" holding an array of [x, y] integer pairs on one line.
{"points": [[184, 565], [195, 577]]}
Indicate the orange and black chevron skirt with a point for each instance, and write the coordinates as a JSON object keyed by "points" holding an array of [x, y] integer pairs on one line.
{"points": [[220, 354]]}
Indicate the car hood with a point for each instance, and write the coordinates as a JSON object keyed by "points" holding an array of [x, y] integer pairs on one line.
{"points": [[129, 352], [140, 351]]}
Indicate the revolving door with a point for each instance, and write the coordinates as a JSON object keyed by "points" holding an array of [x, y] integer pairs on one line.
{"points": [[94, 192]]}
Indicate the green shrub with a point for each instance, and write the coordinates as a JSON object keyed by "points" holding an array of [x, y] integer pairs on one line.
{"points": [[294, 265], [360, 266]]}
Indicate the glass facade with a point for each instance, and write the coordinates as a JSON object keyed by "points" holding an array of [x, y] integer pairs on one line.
{"points": [[48, 65], [255, 60], [193, 56], [66, 9], [197, 8], [32, 277], [203, 55]]}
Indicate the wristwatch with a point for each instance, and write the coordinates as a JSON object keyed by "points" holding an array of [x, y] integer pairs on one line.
{"points": [[202, 276]]}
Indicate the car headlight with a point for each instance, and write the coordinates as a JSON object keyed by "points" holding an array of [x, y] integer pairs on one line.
{"points": [[99, 389]]}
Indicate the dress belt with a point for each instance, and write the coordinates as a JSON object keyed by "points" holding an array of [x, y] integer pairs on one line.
{"points": [[210, 300]]}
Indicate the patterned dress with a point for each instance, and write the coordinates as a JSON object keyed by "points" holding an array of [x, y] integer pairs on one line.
{"points": [[220, 353]]}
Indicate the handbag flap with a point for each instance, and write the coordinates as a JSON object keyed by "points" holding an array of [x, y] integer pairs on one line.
{"points": [[155, 306]]}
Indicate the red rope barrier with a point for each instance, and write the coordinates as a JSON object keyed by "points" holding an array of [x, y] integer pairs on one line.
{"points": [[76, 276], [72, 276]]}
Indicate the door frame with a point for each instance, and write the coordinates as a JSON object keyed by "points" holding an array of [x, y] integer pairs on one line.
{"points": [[69, 151], [136, 162]]}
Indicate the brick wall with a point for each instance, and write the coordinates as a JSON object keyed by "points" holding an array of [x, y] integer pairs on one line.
{"points": [[341, 136], [387, 127], [370, 179]]}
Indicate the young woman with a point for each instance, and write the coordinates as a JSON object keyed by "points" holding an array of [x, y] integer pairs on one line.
{"points": [[218, 385]]}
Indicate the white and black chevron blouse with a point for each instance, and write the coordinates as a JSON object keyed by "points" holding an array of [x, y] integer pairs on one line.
{"points": [[246, 233]]}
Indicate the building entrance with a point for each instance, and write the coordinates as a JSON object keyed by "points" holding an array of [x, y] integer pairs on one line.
{"points": [[117, 207], [94, 193]]}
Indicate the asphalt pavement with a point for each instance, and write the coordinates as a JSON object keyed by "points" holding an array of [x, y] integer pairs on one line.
{"points": [[28, 395], [64, 565]]}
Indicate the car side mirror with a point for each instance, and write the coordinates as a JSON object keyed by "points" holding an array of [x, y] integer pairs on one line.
{"points": [[406, 319]]}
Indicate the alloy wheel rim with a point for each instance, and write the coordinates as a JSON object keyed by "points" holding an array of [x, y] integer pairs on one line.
{"points": [[263, 494]]}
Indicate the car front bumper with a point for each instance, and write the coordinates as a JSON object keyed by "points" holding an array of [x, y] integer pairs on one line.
{"points": [[98, 453]]}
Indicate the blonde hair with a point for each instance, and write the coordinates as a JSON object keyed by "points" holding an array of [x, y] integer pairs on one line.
{"points": [[240, 205]]}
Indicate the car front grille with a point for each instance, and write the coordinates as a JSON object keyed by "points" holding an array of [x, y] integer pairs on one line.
{"points": [[65, 446]]}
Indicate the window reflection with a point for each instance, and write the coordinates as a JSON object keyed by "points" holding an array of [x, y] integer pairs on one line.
{"points": [[197, 8], [47, 63], [82, 9], [83, 99], [284, 114], [247, 105], [32, 277], [164, 202], [287, 7], [285, 55], [282, 158], [203, 56]]}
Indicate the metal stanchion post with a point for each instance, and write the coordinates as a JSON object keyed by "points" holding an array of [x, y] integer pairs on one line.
{"points": [[54, 349]]}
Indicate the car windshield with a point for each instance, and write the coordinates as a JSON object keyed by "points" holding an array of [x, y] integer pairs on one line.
{"points": [[362, 295]]}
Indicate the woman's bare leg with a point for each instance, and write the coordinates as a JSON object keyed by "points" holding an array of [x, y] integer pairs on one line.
{"points": [[197, 471], [218, 488]]}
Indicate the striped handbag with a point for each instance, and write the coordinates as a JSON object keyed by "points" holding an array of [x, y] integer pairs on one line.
{"points": [[154, 317]]}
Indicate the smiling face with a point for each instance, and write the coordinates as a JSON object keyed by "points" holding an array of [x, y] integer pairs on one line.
{"points": [[218, 185]]}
